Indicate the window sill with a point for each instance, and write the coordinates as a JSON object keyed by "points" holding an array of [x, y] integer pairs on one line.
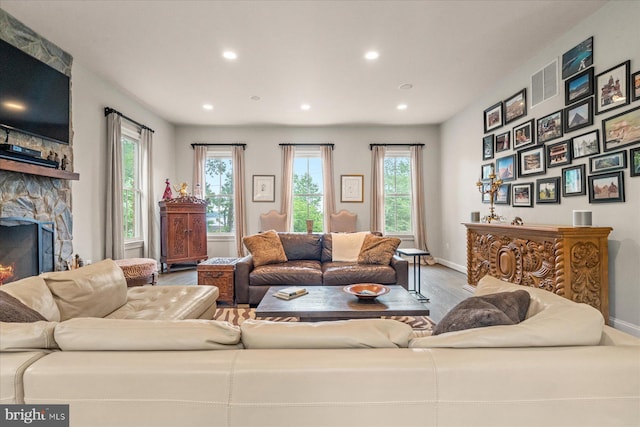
{"points": [[221, 237], [134, 244]]}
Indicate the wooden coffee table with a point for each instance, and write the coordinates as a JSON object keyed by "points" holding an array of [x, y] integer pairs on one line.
{"points": [[332, 303]]}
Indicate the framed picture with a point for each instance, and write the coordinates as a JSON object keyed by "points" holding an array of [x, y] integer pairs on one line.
{"points": [[486, 196], [612, 88], [558, 154], [621, 129], [586, 144], [493, 117], [578, 87], [486, 171], [635, 82], [503, 141], [506, 168], [264, 188], [577, 58], [634, 160], [606, 187], [515, 107], [548, 190], [352, 188], [503, 195], [487, 147], [578, 115], [531, 161], [573, 182], [522, 195], [550, 127], [608, 162], [523, 135]]}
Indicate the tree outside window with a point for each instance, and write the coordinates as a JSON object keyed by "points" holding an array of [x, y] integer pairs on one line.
{"points": [[307, 191], [397, 193], [131, 192], [219, 193]]}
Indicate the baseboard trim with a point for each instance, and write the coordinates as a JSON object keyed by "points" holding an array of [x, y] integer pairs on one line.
{"points": [[623, 326], [451, 265]]}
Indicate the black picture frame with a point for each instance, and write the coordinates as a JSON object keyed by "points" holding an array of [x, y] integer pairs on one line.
{"points": [[578, 115], [612, 88], [621, 130], [578, 87], [586, 144], [549, 127], [493, 117], [548, 190], [558, 154], [485, 171], [515, 107], [531, 161], [606, 187], [573, 181], [577, 58], [608, 162], [523, 135], [503, 195], [487, 147], [503, 141], [506, 168], [485, 195], [635, 86], [522, 195], [634, 162]]}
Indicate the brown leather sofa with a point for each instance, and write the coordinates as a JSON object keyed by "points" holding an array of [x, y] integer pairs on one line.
{"points": [[309, 264]]}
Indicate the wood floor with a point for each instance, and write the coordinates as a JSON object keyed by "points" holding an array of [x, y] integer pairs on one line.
{"points": [[442, 285]]}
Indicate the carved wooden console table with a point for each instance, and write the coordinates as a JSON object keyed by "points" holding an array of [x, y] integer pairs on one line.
{"points": [[568, 261]]}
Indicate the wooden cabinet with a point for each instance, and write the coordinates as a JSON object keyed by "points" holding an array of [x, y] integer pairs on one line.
{"points": [[183, 231], [568, 261], [219, 272]]}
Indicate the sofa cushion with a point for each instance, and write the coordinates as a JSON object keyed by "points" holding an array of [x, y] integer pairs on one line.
{"points": [[502, 308], [298, 246], [94, 334], [33, 292], [356, 333], [301, 272], [378, 250], [92, 291], [347, 273], [346, 246], [27, 336], [266, 248], [13, 310]]}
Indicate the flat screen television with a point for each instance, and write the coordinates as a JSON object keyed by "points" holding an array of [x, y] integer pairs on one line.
{"points": [[34, 98]]}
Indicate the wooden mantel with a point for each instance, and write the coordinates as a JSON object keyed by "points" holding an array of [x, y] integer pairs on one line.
{"points": [[13, 166], [569, 261]]}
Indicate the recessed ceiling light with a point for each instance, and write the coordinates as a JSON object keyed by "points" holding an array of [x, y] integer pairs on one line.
{"points": [[371, 55], [305, 107], [255, 98], [207, 107], [228, 54], [402, 106], [405, 86]]}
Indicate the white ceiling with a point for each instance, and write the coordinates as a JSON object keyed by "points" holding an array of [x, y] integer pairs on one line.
{"points": [[168, 54]]}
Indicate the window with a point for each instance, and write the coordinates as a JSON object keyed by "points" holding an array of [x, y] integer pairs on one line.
{"points": [[131, 189], [307, 190], [218, 191], [397, 192]]}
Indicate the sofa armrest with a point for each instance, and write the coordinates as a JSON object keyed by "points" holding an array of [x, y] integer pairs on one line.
{"points": [[401, 266], [244, 266]]}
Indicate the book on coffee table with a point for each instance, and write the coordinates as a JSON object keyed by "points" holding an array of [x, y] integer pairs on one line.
{"points": [[290, 292]]}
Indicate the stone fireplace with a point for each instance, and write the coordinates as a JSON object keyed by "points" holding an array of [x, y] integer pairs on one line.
{"points": [[26, 248]]}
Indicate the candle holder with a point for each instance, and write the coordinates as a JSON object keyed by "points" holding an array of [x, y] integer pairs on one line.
{"points": [[494, 186]]}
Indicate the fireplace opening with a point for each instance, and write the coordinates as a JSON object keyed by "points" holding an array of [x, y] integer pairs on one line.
{"points": [[26, 248]]}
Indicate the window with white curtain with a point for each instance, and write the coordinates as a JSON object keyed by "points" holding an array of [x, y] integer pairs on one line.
{"points": [[397, 192], [131, 183], [307, 189], [219, 191]]}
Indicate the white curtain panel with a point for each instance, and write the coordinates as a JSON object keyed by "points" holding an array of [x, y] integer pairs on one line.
{"points": [[377, 187], [240, 198], [199, 159], [150, 229], [417, 191], [326, 153], [286, 206], [114, 238]]}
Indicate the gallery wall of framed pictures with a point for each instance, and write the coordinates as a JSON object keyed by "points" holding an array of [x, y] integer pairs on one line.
{"points": [[583, 149]]}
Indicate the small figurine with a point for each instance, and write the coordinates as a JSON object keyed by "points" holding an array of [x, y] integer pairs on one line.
{"points": [[65, 163], [50, 156], [182, 190], [168, 195], [56, 159]]}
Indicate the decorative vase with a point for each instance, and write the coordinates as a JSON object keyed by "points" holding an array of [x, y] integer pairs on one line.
{"points": [[309, 226]]}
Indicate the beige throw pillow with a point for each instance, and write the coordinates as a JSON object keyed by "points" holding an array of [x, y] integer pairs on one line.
{"points": [[266, 248], [347, 246], [378, 250]]}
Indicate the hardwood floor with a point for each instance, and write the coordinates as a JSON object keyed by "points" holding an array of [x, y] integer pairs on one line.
{"points": [[442, 285]]}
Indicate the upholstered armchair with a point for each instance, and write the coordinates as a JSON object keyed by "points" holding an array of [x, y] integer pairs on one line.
{"points": [[273, 220], [343, 222]]}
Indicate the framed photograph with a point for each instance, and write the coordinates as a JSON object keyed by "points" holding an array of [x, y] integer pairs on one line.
{"points": [[548, 190], [573, 181], [612, 88], [264, 188], [577, 58], [493, 117], [506, 168], [523, 135], [487, 147], [621, 130], [515, 107], [608, 162], [635, 82], [503, 141], [531, 161], [486, 171], [550, 127], [634, 161], [559, 154], [606, 187], [578, 115], [578, 87], [352, 188], [586, 144], [503, 195], [486, 197], [522, 195]]}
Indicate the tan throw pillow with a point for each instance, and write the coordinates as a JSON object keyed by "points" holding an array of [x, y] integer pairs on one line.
{"points": [[378, 250], [266, 248]]}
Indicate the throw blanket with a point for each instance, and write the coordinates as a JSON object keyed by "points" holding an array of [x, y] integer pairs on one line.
{"points": [[346, 246]]}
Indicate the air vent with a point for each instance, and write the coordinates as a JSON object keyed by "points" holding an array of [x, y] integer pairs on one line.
{"points": [[544, 84]]}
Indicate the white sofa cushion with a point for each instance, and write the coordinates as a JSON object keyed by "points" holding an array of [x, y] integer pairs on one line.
{"points": [[552, 320], [95, 334], [92, 291], [356, 333], [34, 293], [27, 336]]}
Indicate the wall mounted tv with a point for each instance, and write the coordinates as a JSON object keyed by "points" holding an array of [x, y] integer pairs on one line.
{"points": [[34, 98]]}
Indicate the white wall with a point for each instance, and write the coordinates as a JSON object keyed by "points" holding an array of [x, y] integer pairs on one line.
{"points": [[616, 39]]}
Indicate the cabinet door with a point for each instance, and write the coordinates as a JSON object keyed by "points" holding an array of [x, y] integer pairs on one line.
{"points": [[178, 236], [197, 236]]}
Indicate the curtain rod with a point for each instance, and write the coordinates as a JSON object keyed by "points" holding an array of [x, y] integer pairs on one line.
{"points": [[109, 110], [312, 145], [233, 144], [395, 145]]}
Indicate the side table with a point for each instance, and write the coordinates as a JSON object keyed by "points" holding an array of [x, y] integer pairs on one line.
{"points": [[219, 271], [417, 255]]}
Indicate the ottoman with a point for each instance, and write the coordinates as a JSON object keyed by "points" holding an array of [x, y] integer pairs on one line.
{"points": [[139, 271]]}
